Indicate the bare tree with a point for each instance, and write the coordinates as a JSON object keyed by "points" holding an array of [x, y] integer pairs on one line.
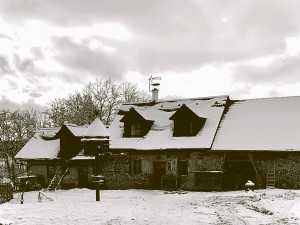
{"points": [[16, 128], [105, 97]]}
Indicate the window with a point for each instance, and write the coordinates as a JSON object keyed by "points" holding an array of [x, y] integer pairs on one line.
{"points": [[51, 171], [182, 167], [135, 130], [185, 128], [137, 167]]}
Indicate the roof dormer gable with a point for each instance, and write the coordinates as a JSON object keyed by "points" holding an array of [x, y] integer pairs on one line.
{"points": [[186, 122], [131, 115], [135, 124]]}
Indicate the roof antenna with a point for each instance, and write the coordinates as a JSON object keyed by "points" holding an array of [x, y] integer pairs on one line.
{"points": [[154, 87]]}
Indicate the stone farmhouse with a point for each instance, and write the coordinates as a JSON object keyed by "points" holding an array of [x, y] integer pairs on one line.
{"points": [[210, 143]]}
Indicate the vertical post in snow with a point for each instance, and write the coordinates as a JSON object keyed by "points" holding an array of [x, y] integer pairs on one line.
{"points": [[97, 192], [97, 181]]}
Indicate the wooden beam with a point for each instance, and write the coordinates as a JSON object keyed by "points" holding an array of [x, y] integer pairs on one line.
{"points": [[259, 179]]}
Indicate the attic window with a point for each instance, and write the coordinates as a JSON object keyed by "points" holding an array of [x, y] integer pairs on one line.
{"points": [[185, 128], [186, 122], [135, 130]]}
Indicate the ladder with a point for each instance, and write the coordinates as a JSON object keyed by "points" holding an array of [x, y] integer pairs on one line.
{"points": [[61, 171], [271, 174]]}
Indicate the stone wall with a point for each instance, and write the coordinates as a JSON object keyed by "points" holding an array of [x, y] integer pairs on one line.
{"points": [[202, 161], [120, 175], [287, 168]]}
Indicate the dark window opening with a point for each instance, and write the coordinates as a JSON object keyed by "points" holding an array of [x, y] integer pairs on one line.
{"points": [[187, 128], [182, 167], [137, 167], [135, 130]]}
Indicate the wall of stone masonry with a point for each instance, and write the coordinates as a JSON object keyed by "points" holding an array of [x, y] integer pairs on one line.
{"points": [[119, 170], [287, 168]]}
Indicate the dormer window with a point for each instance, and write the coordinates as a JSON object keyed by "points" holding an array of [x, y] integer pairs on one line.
{"points": [[135, 130], [135, 125], [186, 122]]}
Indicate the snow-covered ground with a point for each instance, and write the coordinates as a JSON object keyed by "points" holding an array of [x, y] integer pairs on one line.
{"points": [[78, 206]]}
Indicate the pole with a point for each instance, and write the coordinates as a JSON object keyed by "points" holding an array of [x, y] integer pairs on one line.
{"points": [[97, 192]]}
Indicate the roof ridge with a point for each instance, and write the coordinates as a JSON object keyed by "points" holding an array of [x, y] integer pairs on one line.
{"points": [[175, 100], [253, 99]]}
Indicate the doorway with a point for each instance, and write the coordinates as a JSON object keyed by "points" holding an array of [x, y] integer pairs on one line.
{"points": [[159, 170], [83, 175], [238, 170]]}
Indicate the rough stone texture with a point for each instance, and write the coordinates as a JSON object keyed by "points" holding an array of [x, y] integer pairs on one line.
{"points": [[287, 168], [119, 170], [210, 162], [202, 161]]}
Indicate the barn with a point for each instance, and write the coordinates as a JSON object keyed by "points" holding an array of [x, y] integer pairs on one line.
{"points": [[260, 141]]}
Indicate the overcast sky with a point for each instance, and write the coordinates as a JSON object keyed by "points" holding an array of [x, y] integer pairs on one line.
{"points": [[244, 49]]}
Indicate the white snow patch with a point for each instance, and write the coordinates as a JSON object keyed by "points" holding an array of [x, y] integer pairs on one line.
{"points": [[78, 206]]}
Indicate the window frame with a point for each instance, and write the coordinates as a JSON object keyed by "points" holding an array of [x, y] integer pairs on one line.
{"points": [[135, 130]]}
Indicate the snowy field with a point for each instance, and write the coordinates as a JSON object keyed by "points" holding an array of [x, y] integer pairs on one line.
{"points": [[78, 206]]}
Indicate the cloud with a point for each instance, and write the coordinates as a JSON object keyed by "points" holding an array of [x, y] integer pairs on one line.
{"points": [[74, 41], [284, 70], [4, 36], [11, 105], [80, 58], [176, 35], [4, 65]]}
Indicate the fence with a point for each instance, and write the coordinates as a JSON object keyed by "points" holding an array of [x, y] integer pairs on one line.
{"points": [[6, 193]]}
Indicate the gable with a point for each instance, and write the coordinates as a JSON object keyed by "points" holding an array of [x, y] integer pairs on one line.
{"points": [[132, 115], [70, 145], [185, 113]]}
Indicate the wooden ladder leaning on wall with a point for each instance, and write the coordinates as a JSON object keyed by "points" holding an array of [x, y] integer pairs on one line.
{"points": [[271, 174], [60, 172]]}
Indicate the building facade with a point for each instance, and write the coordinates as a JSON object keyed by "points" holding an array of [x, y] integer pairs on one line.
{"points": [[211, 143]]}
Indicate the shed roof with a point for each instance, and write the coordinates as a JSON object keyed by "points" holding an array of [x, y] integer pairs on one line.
{"points": [[261, 124], [160, 135], [38, 148]]}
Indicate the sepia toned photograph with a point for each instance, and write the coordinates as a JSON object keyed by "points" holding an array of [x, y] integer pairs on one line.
{"points": [[171, 112]]}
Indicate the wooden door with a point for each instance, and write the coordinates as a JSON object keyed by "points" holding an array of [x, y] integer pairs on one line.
{"points": [[159, 170], [83, 175]]}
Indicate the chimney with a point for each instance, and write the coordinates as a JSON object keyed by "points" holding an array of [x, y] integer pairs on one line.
{"points": [[155, 95], [154, 88]]}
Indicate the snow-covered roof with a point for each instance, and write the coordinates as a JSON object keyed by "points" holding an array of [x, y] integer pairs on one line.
{"points": [[38, 148], [160, 135], [42, 147], [96, 129], [78, 131], [261, 124]]}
